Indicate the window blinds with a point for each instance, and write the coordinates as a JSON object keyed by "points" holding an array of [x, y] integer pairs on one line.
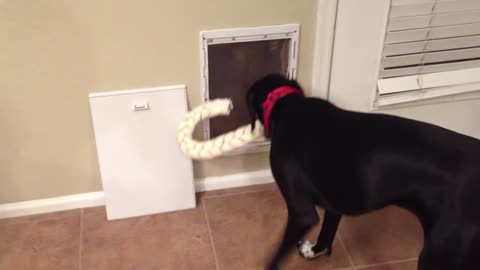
{"points": [[430, 45]]}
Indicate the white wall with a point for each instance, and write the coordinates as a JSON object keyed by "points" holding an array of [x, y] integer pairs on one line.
{"points": [[359, 34]]}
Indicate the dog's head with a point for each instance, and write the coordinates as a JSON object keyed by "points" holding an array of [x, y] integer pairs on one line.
{"points": [[258, 92]]}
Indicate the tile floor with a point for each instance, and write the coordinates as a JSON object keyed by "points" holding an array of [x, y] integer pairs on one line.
{"points": [[229, 230]]}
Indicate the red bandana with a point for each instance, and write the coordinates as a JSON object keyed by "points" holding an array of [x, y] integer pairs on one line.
{"points": [[272, 98]]}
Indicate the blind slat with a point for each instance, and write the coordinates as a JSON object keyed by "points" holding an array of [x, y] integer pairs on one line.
{"points": [[431, 45], [435, 33], [389, 73], [406, 23], [457, 6], [426, 8], [431, 58], [410, 2], [411, 10], [415, 82], [449, 90]]}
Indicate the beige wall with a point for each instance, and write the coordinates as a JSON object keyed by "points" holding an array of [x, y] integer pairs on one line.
{"points": [[53, 53]]}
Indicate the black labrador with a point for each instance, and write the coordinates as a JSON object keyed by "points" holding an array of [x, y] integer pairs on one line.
{"points": [[352, 163]]}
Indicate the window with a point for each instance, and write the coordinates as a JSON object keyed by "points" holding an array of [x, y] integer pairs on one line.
{"points": [[231, 60], [431, 49]]}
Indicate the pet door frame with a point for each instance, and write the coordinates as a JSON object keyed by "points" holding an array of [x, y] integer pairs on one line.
{"points": [[241, 35]]}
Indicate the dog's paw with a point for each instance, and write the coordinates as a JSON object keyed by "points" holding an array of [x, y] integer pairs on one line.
{"points": [[307, 251]]}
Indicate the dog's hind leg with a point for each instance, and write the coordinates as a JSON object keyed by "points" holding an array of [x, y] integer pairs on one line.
{"points": [[428, 261], [301, 218], [324, 240], [302, 214]]}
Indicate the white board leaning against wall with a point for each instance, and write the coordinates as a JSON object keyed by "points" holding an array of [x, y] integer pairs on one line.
{"points": [[143, 170]]}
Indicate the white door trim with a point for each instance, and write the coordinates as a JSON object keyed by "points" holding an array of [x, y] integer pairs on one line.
{"points": [[323, 50]]}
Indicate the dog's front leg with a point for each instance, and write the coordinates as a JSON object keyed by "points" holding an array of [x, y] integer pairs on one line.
{"points": [[297, 225], [324, 240]]}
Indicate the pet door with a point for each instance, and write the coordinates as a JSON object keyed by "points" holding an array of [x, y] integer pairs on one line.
{"points": [[231, 60]]}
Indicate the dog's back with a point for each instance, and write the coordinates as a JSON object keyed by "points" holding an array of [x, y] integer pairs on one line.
{"points": [[410, 153], [352, 163]]}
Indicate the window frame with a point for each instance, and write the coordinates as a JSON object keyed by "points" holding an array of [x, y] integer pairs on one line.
{"points": [[428, 87]]}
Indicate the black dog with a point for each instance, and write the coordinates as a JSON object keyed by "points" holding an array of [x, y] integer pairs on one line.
{"points": [[351, 163]]}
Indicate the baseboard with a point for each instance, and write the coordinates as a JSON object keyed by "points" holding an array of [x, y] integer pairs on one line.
{"points": [[51, 205], [234, 180], [96, 198]]}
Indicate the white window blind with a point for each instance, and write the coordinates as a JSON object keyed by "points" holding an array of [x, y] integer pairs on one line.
{"points": [[431, 49]]}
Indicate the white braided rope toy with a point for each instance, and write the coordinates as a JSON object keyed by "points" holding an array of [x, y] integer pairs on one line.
{"points": [[219, 145]]}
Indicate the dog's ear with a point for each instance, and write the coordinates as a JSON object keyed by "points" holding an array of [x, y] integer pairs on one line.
{"points": [[251, 108]]}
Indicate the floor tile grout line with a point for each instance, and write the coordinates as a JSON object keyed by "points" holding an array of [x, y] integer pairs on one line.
{"points": [[210, 235], [358, 267], [349, 256], [80, 248], [386, 263]]}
